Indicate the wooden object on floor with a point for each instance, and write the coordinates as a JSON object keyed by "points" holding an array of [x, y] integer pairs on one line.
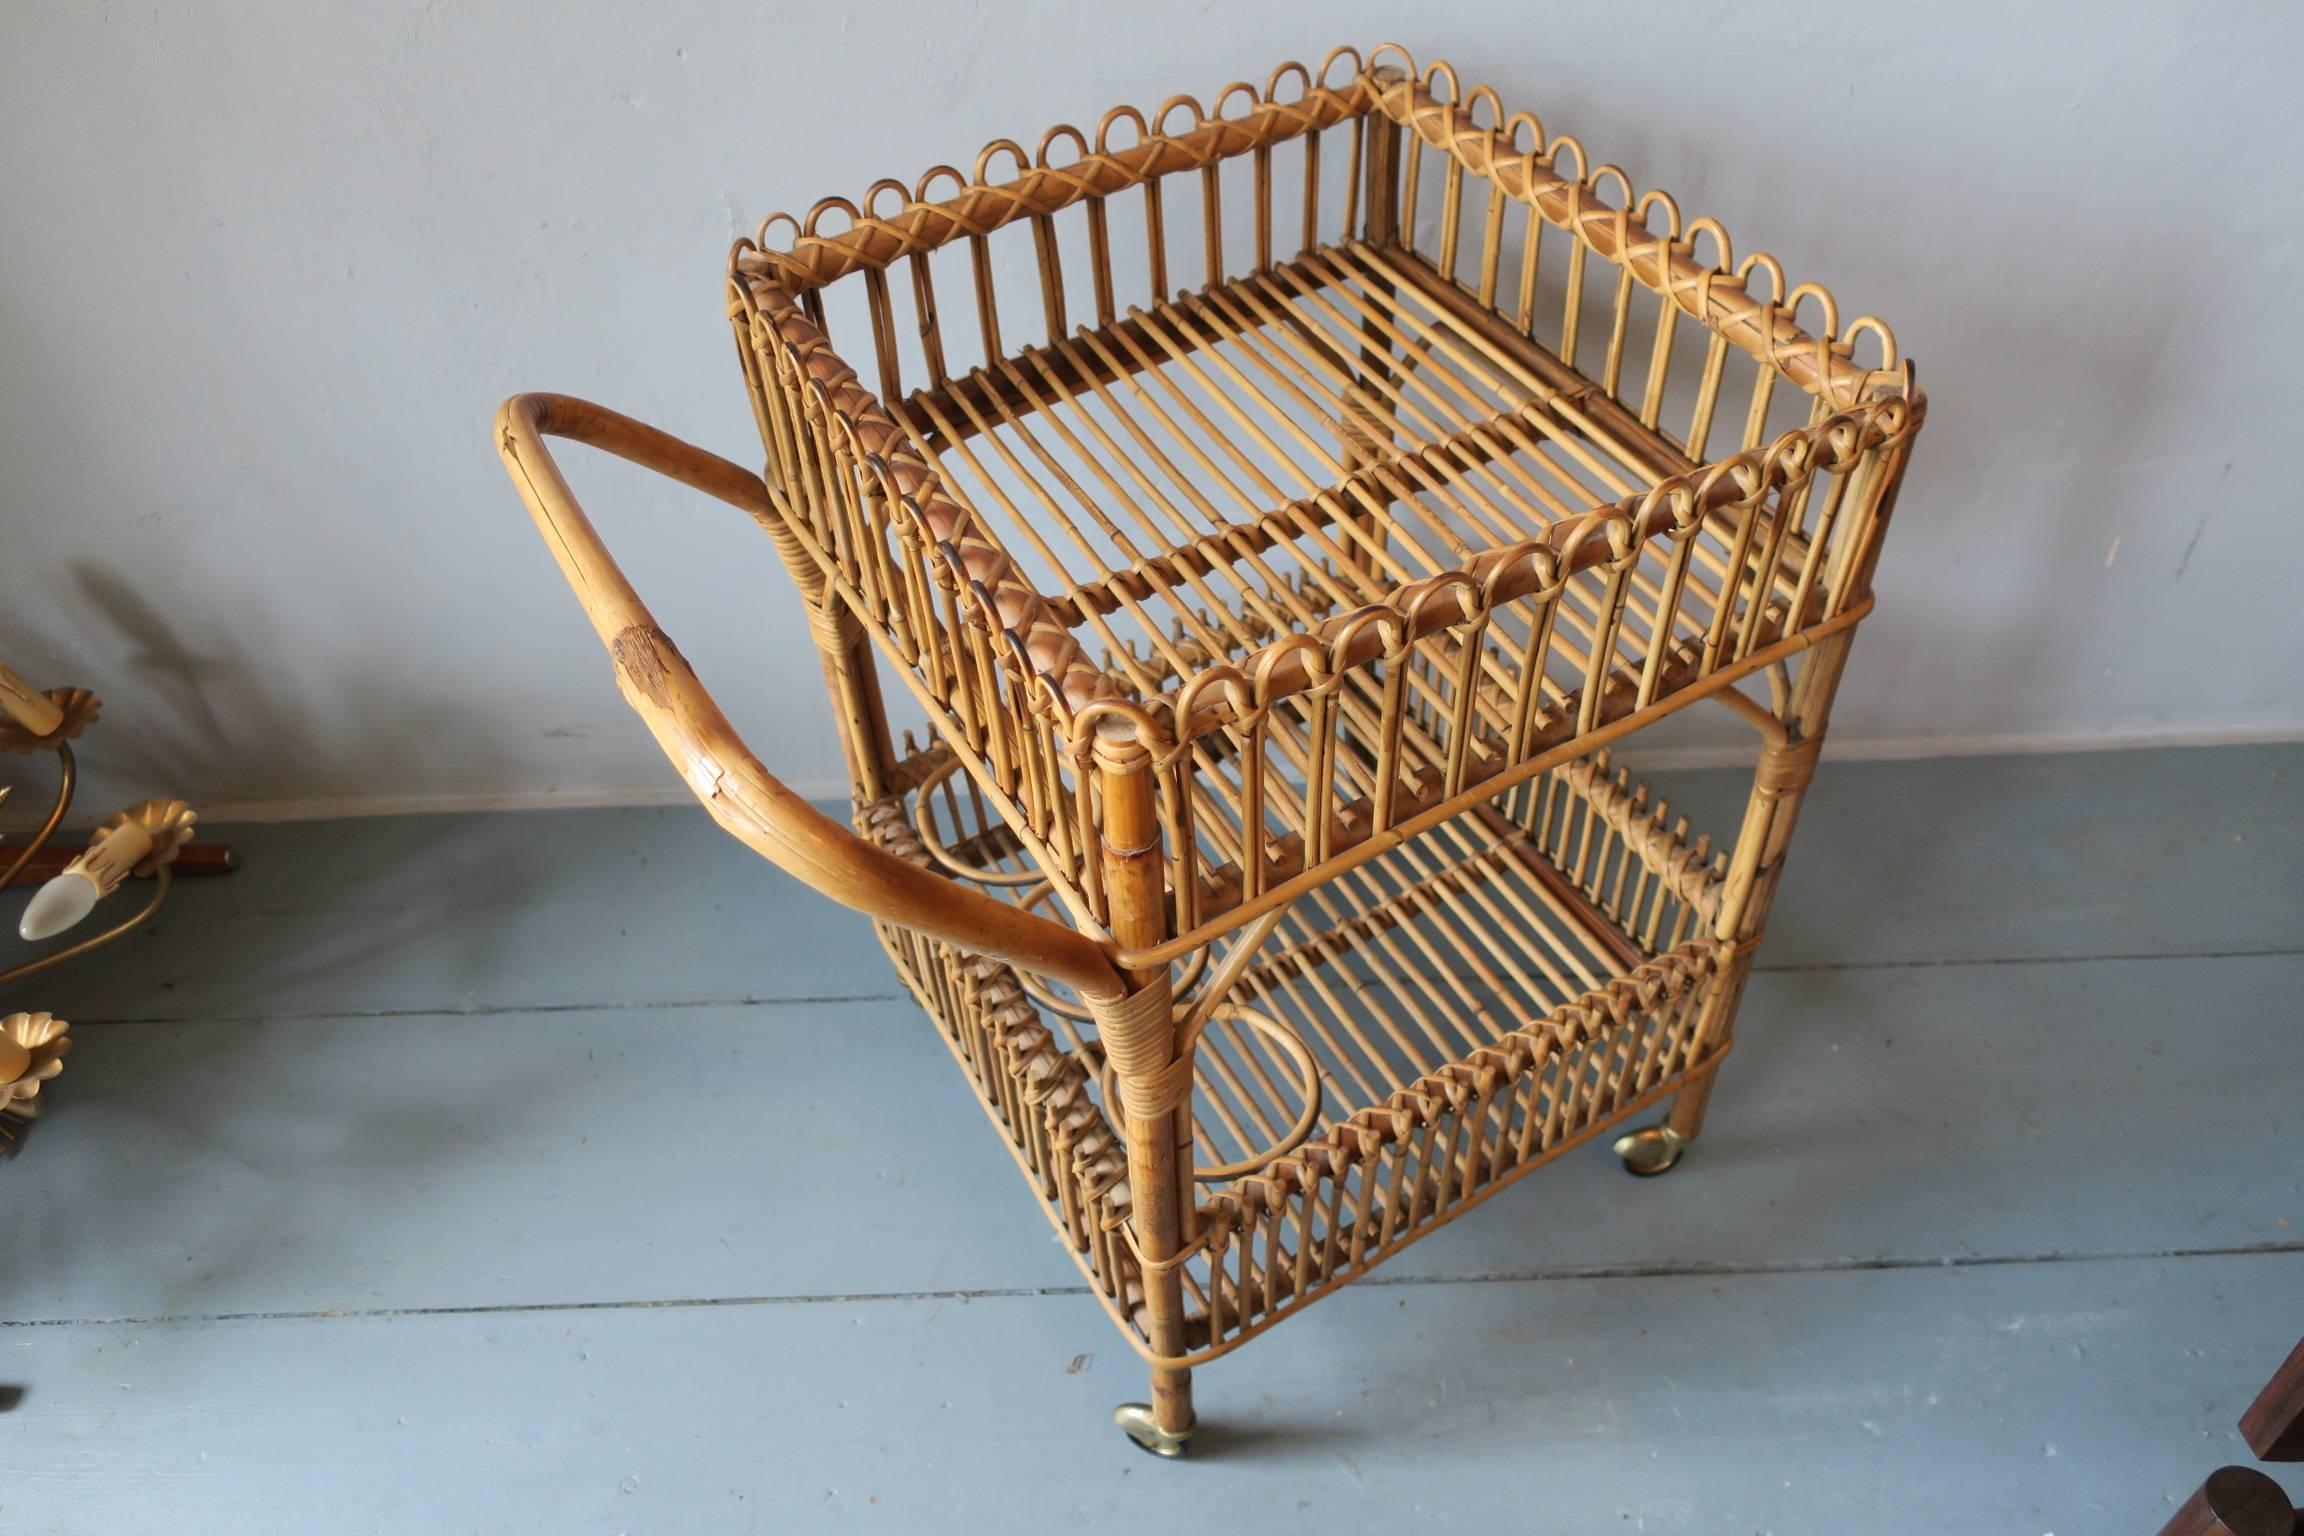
{"points": [[2235, 1501], [1317, 485], [2273, 1426]]}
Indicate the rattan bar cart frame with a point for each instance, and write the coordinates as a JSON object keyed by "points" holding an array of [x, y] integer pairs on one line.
{"points": [[1319, 483]]}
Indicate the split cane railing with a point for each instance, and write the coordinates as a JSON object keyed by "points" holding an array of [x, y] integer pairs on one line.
{"points": [[1276, 510]]}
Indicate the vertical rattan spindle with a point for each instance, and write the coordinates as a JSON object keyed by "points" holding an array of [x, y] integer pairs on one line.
{"points": [[1155, 1084], [854, 683], [1367, 437], [851, 676]]}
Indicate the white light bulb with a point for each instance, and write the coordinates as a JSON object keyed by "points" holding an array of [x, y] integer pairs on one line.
{"points": [[57, 905]]}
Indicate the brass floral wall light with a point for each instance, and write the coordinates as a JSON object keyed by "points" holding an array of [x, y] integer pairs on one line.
{"points": [[144, 841]]}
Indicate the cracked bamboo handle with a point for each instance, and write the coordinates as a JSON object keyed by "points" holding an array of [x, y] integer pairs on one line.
{"points": [[748, 801]]}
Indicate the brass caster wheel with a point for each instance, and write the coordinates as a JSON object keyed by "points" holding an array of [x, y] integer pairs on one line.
{"points": [[1651, 1150], [1135, 1421]]}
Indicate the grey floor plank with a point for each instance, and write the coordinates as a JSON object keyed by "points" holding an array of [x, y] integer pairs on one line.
{"points": [[2171, 851], [1989, 1231], [2130, 1106], [2166, 852], [2033, 1398], [476, 913], [1902, 1115], [592, 1156]]}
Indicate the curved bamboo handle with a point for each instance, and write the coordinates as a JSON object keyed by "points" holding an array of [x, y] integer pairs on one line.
{"points": [[745, 798]]}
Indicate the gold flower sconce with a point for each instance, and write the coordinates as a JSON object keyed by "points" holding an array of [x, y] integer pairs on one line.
{"points": [[32, 1047], [147, 841]]}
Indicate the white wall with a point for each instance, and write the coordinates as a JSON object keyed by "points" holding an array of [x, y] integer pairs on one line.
{"points": [[265, 269]]}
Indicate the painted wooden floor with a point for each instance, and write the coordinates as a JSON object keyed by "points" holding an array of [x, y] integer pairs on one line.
{"points": [[413, 1179]]}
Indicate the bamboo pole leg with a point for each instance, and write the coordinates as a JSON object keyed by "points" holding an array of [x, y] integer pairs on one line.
{"points": [[850, 675], [1172, 1401], [1684, 1121], [1686, 1117], [1155, 1084], [854, 684], [1779, 785]]}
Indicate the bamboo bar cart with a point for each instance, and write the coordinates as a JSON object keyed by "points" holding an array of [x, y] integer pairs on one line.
{"points": [[1275, 510]]}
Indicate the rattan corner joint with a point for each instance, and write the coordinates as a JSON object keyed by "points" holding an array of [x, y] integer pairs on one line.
{"points": [[1316, 486]]}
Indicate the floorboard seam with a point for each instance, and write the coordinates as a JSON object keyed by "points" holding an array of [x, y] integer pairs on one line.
{"points": [[510, 1009], [2134, 957], [829, 998], [1658, 1271]]}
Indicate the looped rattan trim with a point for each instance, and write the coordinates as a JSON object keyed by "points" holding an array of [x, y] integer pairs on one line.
{"points": [[1035, 639], [1618, 233], [981, 207], [1231, 694], [1663, 263]]}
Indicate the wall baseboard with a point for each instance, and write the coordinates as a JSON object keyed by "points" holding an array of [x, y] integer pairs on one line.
{"points": [[332, 807], [1885, 749], [1877, 749]]}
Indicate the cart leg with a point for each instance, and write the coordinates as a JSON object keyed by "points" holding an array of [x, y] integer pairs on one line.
{"points": [[851, 676], [1163, 1425], [1779, 784], [1686, 1120], [1138, 1033], [1655, 1149]]}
